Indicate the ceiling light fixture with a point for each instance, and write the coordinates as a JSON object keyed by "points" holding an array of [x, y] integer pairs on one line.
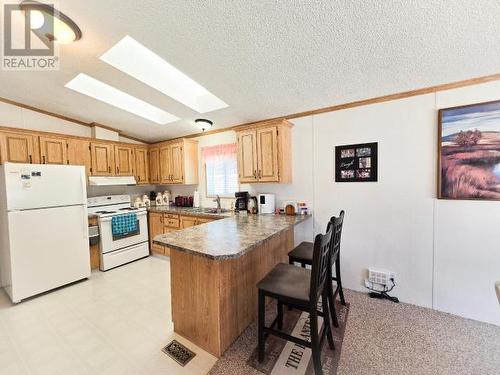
{"points": [[49, 23], [203, 123], [96, 89], [136, 60]]}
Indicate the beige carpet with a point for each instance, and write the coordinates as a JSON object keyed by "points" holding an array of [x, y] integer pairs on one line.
{"points": [[386, 338], [382, 337]]}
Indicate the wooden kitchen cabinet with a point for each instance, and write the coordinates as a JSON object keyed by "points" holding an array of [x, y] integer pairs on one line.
{"points": [[165, 164], [188, 221], [154, 165], [19, 148], [141, 165], [103, 163], [178, 162], [79, 153], [267, 156], [156, 228], [264, 153], [247, 155], [53, 150], [124, 160]]}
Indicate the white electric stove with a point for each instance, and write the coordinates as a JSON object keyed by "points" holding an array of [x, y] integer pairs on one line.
{"points": [[118, 251]]}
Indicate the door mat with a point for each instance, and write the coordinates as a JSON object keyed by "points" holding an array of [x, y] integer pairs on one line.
{"points": [[282, 357], [178, 352]]}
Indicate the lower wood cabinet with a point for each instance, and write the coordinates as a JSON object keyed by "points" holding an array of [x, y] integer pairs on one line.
{"points": [[160, 223], [155, 229]]}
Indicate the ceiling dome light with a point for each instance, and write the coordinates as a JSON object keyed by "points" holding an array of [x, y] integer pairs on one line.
{"points": [[37, 19], [50, 23], [204, 124]]}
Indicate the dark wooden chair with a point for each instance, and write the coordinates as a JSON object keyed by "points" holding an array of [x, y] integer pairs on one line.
{"points": [[303, 254], [300, 288]]}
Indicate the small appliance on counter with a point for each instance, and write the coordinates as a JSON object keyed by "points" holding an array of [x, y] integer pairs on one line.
{"points": [[291, 208], [166, 198], [184, 201], [253, 205], [241, 203], [145, 201], [267, 203], [196, 199]]}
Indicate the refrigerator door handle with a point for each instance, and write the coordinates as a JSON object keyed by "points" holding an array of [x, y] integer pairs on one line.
{"points": [[85, 226]]}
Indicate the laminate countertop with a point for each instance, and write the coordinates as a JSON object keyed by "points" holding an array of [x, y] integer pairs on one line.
{"points": [[190, 211], [230, 237]]}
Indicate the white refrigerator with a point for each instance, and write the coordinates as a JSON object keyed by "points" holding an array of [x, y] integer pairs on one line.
{"points": [[43, 228]]}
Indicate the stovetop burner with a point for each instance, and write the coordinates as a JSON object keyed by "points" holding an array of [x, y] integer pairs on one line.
{"points": [[129, 209], [105, 212]]}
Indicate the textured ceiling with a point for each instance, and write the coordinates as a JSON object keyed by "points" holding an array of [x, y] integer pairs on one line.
{"points": [[267, 58]]}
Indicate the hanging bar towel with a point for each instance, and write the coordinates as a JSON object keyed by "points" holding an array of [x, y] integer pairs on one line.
{"points": [[124, 225]]}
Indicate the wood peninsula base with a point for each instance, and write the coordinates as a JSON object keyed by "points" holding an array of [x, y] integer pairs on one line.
{"points": [[214, 300]]}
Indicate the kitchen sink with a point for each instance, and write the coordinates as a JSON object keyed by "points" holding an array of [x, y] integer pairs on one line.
{"points": [[214, 210]]}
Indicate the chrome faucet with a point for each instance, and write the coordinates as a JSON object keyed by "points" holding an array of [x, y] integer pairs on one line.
{"points": [[217, 199]]}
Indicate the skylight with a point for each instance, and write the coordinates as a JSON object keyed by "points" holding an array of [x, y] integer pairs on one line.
{"points": [[96, 89], [134, 59]]}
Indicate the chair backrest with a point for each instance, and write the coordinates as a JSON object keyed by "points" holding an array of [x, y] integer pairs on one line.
{"points": [[320, 262], [337, 223]]}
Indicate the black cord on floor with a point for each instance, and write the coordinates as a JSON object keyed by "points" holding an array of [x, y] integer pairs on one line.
{"points": [[384, 294]]}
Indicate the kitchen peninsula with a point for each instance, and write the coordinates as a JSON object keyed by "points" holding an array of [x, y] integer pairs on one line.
{"points": [[214, 269]]}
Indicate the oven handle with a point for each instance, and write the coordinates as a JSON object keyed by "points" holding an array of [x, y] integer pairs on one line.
{"points": [[110, 217]]}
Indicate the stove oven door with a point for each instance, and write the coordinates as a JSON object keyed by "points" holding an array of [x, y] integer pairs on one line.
{"points": [[107, 242]]}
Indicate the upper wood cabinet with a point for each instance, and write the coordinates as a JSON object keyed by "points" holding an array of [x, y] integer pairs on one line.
{"points": [[178, 162], [19, 148], [154, 165], [165, 164], [247, 155], [79, 153], [124, 160], [264, 153], [141, 165], [103, 155], [53, 150]]}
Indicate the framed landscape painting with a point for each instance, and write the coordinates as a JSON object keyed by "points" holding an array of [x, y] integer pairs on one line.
{"points": [[469, 152]]}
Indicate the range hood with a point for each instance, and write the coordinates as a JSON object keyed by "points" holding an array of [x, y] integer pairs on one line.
{"points": [[110, 181]]}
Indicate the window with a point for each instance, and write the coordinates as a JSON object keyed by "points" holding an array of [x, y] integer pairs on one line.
{"points": [[221, 170]]}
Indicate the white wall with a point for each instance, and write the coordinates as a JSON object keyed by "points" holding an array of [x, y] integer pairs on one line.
{"points": [[17, 117], [445, 253]]}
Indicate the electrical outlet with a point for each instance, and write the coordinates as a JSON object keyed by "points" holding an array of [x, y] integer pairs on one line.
{"points": [[381, 277]]}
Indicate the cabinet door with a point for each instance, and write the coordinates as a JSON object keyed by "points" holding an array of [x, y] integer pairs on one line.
{"points": [[177, 163], [124, 161], [79, 153], [247, 156], [267, 159], [155, 229], [18, 148], [102, 159], [165, 165], [154, 165], [53, 150], [141, 165], [188, 221]]}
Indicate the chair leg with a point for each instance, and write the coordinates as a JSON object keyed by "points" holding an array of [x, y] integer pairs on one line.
{"points": [[326, 317], [315, 342], [339, 280], [280, 315], [262, 319], [331, 302]]}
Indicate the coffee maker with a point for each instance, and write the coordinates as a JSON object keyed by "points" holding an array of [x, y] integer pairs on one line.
{"points": [[241, 203]]}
